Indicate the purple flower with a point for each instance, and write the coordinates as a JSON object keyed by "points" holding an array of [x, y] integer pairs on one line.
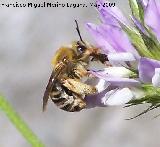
{"points": [[112, 97], [152, 15], [116, 80], [116, 84], [143, 3], [110, 15], [138, 25], [111, 39], [149, 71], [109, 36]]}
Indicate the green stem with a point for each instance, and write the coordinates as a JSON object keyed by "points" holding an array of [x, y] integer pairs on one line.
{"points": [[19, 123]]}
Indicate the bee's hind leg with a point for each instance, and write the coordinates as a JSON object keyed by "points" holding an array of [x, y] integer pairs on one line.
{"points": [[79, 87]]}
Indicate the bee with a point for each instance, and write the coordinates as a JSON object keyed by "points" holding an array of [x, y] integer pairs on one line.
{"points": [[65, 87]]}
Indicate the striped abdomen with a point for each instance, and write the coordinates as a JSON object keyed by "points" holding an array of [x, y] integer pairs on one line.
{"points": [[66, 99]]}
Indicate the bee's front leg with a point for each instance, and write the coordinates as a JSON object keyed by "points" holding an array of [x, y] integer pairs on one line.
{"points": [[103, 58], [79, 70]]}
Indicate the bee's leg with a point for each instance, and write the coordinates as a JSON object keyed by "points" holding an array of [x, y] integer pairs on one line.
{"points": [[80, 70], [79, 87], [85, 56], [103, 58], [79, 103]]}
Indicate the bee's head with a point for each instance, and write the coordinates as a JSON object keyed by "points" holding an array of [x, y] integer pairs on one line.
{"points": [[79, 47]]}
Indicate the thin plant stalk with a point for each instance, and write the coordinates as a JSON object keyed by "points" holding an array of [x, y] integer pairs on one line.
{"points": [[19, 123]]}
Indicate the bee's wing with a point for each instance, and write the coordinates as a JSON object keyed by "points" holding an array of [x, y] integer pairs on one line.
{"points": [[54, 75], [48, 88]]}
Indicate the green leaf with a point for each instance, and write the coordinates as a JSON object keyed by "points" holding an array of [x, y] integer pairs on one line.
{"points": [[137, 9], [152, 98], [151, 43], [136, 40], [141, 11], [134, 8]]}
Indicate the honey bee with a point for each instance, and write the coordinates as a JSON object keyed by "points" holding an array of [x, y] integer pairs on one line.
{"points": [[65, 87]]}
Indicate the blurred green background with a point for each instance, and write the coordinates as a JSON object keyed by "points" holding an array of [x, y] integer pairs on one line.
{"points": [[28, 39]]}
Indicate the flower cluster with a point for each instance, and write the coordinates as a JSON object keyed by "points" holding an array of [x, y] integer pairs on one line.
{"points": [[133, 51]]}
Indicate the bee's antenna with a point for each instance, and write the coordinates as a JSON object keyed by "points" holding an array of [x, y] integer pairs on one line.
{"points": [[77, 28]]}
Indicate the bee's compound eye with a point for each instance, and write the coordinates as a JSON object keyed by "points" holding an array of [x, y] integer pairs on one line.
{"points": [[80, 47]]}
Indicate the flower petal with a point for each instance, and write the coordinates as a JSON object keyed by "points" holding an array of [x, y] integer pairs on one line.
{"points": [[108, 19], [111, 39], [156, 78], [115, 72], [96, 99], [102, 85], [112, 97], [122, 82], [152, 15], [117, 39], [116, 81], [146, 69], [111, 14], [143, 3], [117, 97], [138, 25], [126, 56], [99, 39]]}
